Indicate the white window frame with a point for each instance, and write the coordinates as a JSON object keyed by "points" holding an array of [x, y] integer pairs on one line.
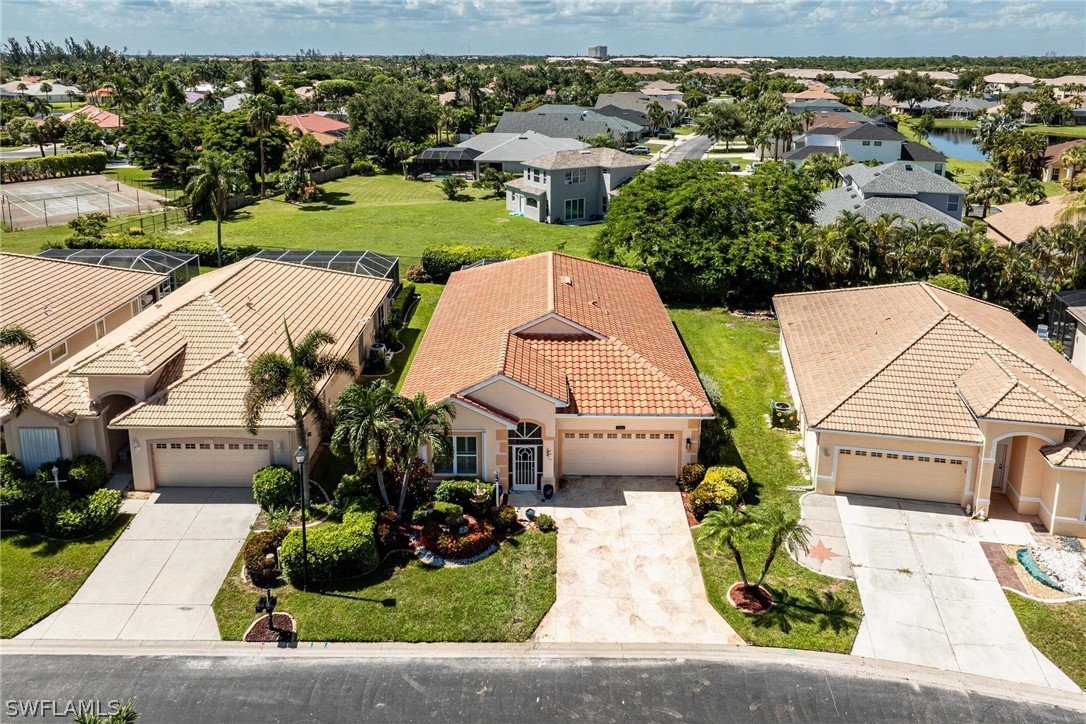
{"points": [[100, 328], [953, 205], [576, 176], [53, 356], [455, 456]]}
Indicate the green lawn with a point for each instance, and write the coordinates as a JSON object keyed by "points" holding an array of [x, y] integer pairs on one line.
{"points": [[1058, 630], [65, 106], [813, 611], [685, 130], [140, 177], [1066, 131], [501, 598], [38, 575]]}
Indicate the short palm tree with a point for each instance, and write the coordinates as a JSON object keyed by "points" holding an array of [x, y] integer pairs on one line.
{"points": [[215, 176], [422, 423], [365, 424], [273, 376], [124, 714], [12, 385], [1074, 160], [990, 187], [262, 118], [725, 529], [784, 529], [1029, 189], [1074, 207]]}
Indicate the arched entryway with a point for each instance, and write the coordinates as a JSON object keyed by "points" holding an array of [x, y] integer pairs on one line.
{"points": [[117, 452], [1018, 473], [526, 456]]}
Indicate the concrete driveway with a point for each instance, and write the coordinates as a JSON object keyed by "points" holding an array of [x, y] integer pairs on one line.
{"points": [[159, 579], [930, 596], [627, 571]]}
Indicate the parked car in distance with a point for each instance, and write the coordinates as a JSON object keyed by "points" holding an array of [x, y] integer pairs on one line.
{"points": [[639, 150]]}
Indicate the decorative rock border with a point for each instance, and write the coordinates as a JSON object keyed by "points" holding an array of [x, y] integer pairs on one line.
{"points": [[429, 558]]}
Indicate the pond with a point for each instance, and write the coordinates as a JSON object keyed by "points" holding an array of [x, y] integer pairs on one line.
{"points": [[956, 143]]}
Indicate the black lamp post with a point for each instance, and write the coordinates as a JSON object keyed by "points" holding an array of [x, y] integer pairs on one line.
{"points": [[300, 456]]}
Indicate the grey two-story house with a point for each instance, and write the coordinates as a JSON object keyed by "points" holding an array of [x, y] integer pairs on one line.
{"points": [[570, 186], [901, 189]]}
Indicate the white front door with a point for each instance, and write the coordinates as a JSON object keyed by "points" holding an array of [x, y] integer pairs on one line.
{"points": [[525, 467], [999, 471]]}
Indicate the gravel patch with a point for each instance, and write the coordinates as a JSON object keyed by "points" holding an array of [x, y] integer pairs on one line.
{"points": [[1065, 564]]}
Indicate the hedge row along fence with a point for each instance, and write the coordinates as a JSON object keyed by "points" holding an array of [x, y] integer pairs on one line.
{"points": [[34, 169], [206, 249], [441, 261]]}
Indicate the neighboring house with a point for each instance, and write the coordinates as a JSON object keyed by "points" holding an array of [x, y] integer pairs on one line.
{"points": [[900, 188], [1001, 82], [67, 305], [570, 186], [865, 142], [568, 122], [1067, 325], [508, 152], [1066, 85], [810, 95], [235, 101], [822, 105], [99, 96], [912, 391], [1054, 169], [1017, 90], [721, 72], [106, 120], [558, 366], [661, 90], [965, 108], [167, 389], [639, 103], [1013, 222], [58, 93], [930, 106], [324, 129], [813, 73]]}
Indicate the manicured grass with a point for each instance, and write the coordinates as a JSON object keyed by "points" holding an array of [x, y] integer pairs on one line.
{"points": [[813, 611], [134, 176], [501, 598], [411, 335], [38, 575], [65, 106], [655, 146], [685, 130], [952, 123], [1058, 630], [1066, 131]]}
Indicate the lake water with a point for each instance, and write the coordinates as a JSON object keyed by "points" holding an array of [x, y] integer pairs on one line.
{"points": [[956, 143]]}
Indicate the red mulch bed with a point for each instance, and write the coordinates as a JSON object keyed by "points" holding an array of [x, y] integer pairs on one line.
{"points": [[690, 519], [260, 633], [750, 600]]}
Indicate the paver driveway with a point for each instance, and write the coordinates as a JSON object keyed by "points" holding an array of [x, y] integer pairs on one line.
{"points": [[930, 596], [158, 580], [627, 571]]}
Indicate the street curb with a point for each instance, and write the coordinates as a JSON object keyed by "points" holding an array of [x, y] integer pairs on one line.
{"points": [[748, 655]]}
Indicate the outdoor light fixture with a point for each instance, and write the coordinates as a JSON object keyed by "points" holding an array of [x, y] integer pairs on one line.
{"points": [[300, 456], [135, 444], [689, 442], [278, 446]]}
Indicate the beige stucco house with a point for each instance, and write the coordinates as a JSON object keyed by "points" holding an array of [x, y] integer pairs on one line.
{"points": [[912, 391], [559, 366], [165, 391]]}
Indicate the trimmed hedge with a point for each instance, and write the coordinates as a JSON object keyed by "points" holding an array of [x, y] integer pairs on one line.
{"points": [[403, 300], [354, 493], [87, 474], [729, 475], [441, 261], [461, 492], [505, 517], [722, 486], [69, 164], [83, 517], [336, 550], [275, 486], [20, 499], [691, 477], [261, 569], [206, 249]]}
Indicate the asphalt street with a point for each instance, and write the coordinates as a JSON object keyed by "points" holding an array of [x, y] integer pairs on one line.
{"points": [[694, 148], [240, 689]]}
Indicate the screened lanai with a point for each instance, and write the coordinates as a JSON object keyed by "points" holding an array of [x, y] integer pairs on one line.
{"points": [[180, 267]]}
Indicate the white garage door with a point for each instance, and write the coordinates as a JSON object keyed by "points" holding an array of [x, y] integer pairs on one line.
{"points": [[216, 462], [918, 476], [620, 453]]}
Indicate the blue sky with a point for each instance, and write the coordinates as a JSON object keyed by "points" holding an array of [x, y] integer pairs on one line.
{"points": [[563, 27]]}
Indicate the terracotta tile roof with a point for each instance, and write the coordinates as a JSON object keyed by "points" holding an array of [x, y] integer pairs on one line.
{"points": [[619, 353], [203, 334], [1015, 221], [98, 116], [54, 299], [1071, 453], [314, 123], [911, 359]]}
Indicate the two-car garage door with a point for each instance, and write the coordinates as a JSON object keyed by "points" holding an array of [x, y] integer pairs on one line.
{"points": [[914, 475], [215, 462], [620, 453]]}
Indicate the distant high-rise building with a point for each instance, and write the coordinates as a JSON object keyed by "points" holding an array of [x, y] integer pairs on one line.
{"points": [[597, 51]]}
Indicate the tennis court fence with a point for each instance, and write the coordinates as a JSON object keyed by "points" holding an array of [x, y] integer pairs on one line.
{"points": [[150, 223]]}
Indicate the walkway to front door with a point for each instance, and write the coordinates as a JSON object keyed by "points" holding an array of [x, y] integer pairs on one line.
{"points": [[627, 571]]}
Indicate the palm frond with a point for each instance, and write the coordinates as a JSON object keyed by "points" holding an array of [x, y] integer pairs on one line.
{"points": [[13, 335], [13, 387]]}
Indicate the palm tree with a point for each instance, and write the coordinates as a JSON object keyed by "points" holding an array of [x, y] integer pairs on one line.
{"points": [[1074, 207], [38, 106], [1030, 190], [421, 423], [807, 117], [989, 187], [272, 376], [124, 714], [262, 118], [784, 529], [12, 384], [725, 529], [215, 176], [990, 127], [366, 424], [656, 115], [1073, 159]]}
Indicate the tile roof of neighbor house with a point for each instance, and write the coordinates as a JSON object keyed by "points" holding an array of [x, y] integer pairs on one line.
{"points": [[1065, 80], [913, 151], [1052, 153], [621, 357], [204, 334], [523, 146], [835, 202], [315, 124], [98, 116], [564, 122], [636, 101], [587, 158], [54, 299], [1009, 78], [719, 71], [1015, 221], [916, 360]]}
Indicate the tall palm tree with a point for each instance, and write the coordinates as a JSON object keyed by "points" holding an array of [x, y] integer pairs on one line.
{"points": [[1074, 207], [784, 529], [989, 187], [215, 176], [38, 106], [12, 384], [365, 424], [262, 118], [725, 529], [422, 423], [656, 115], [273, 376], [1074, 160], [807, 117]]}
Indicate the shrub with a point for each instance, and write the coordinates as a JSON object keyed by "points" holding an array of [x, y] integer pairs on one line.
{"points": [[181, 245], [729, 475], [447, 512], [452, 187], [665, 136], [721, 486], [691, 476], [545, 523], [20, 500], [430, 533], [10, 469], [951, 282], [362, 167], [461, 492], [441, 261], [82, 517], [354, 492], [420, 516], [70, 164], [336, 550], [275, 486], [712, 391], [505, 518], [387, 531], [262, 570], [465, 546], [715, 438], [418, 275], [404, 298], [87, 474], [135, 231]]}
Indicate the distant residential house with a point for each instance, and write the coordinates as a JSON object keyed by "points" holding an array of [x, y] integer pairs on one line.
{"points": [[865, 142], [507, 152], [99, 96], [1065, 85], [447, 97], [1012, 223], [1002, 82], [638, 103], [324, 129], [900, 188], [820, 105], [1054, 169], [234, 102], [100, 117], [813, 73], [58, 92], [962, 108], [571, 186], [721, 72], [561, 121], [641, 71], [1018, 90], [932, 106], [305, 92], [810, 95], [662, 90]]}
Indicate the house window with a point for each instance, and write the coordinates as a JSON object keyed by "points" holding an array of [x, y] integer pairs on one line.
{"points": [[952, 204], [878, 143], [220, 446], [924, 459], [574, 209], [876, 455], [234, 446], [262, 446], [531, 202], [939, 169], [627, 436], [867, 143], [190, 446], [205, 446], [597, 436], [100, 329], [175, 446], [576, 176], [940, 460], [846, 452], [59, 352], [463, 458], [583, 435], [640, 436], [891, 456], [247, 446], [612, 436], [160, 446], [654, 436], [669, 436], [605, 203], [569, 435], [907, 457]]}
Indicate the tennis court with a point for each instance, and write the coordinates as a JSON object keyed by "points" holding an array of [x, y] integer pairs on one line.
{"points": [[56, 201]]}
